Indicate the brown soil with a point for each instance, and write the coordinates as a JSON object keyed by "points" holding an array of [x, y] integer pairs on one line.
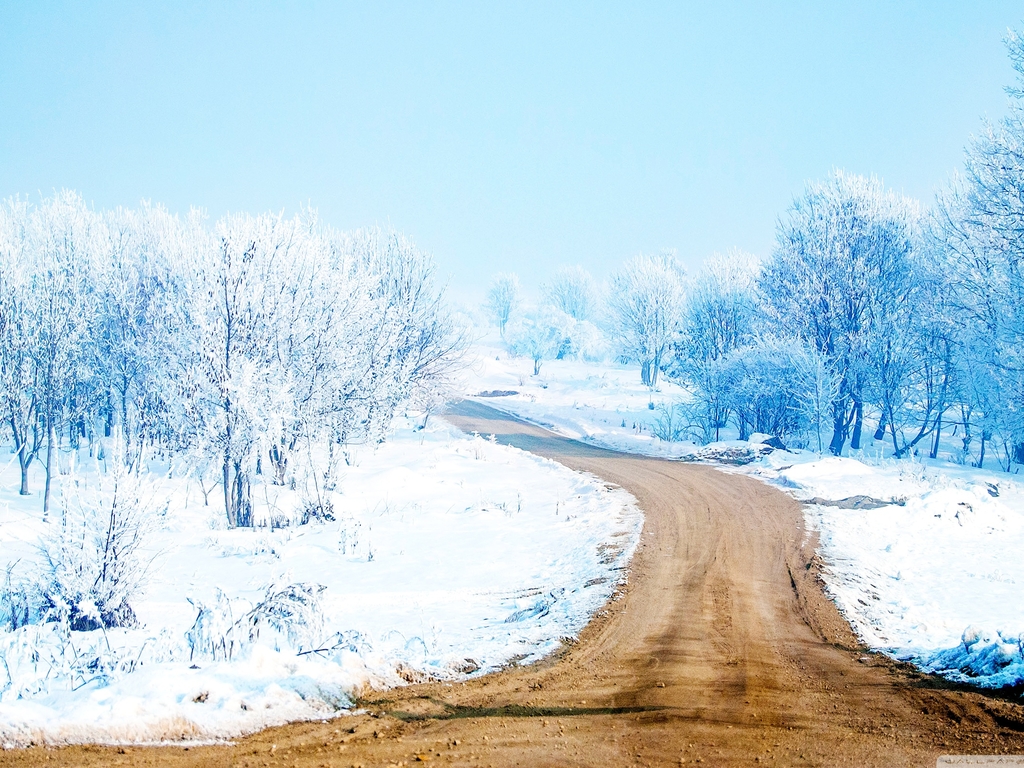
{"points": [[722, 650]]}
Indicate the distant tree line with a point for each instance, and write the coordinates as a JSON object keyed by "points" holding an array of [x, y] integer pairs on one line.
{"points": [[871, 313]]}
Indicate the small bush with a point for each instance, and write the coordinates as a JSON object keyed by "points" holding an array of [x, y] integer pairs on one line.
{"points": [[18, 601], [672, 423], [314, 510], [293, 614], [92, 564]]}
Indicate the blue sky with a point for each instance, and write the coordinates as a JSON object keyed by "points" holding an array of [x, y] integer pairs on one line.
{"points": [[498, 136]]}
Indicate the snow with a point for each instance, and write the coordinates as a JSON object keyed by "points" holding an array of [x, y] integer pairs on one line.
{"points": [[932, 574], [450, 556], [933, 578], [603, 404]]}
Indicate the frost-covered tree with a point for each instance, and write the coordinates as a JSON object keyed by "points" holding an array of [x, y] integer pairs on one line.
{"points": [[718, 318], [980, 233], [228, 369], [540, 336], [911, 351], [257, 345], [19, 375], [842, 259], [572, 291], [503, 299], [46, 312], [417, 347], [721, 308], [306, 337], [136, 291], [817, 387], [765, 387], [646, 302]]}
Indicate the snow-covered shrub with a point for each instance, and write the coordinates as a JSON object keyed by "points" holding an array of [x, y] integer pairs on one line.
{"points": [[213, 634], [672, 422], [93, 560], [41, 658], [19, 601], [317, 510], [293, 613], [290, 616]]}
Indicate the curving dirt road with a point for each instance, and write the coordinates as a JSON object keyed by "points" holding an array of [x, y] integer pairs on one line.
{"points": [[723, 650]]}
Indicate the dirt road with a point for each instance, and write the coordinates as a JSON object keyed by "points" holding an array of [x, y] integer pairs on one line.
{"points": [[722, 650]]}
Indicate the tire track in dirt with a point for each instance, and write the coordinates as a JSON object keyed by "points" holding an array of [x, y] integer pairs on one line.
{"points": [[722, 650]]}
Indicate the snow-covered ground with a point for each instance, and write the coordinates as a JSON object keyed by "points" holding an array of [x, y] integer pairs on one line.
{"points": [[599, 403], [935, 575], [932, 573], [448, 556]]}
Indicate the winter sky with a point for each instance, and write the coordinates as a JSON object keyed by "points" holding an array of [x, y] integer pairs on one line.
{"points": [[511, 136]]}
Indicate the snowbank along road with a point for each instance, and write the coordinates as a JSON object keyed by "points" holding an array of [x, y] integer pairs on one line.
{"points": [[722, 650]]}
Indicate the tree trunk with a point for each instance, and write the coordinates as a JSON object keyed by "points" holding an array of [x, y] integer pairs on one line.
{"points": [[49, 467], [242, 498], [227, 489], [744, 426], [279, 461], [938, 433], [237, 494], [1018, 453], [897, 453], [835, 447], [24, 456], [880, 432], [858, 424]]}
